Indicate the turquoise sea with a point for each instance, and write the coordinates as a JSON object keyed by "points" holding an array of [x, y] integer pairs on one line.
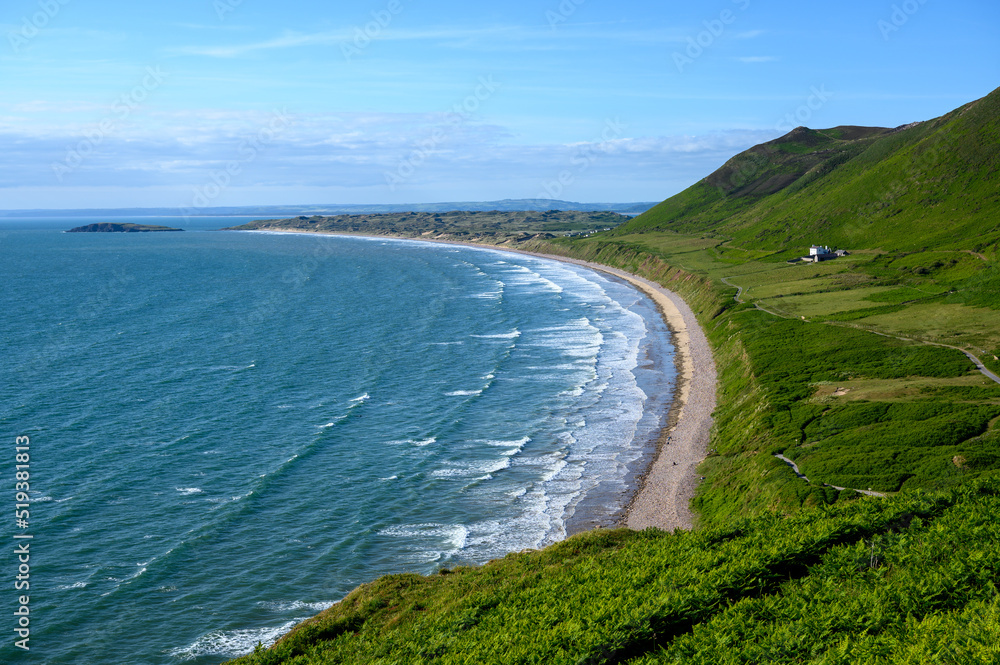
{"points": [[229, 431]]}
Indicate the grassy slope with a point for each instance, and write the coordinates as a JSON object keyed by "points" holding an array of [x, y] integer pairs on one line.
{"points": [[781, 570], [929, 185], [911, 579], [778, 376]]}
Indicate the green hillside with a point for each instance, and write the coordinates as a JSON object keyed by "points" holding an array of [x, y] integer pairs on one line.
{"points": [[929, 184], [859, 370], [906, 580]]}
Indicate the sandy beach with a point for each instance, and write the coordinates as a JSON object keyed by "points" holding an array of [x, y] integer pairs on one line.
{"points": [[664, 495]]}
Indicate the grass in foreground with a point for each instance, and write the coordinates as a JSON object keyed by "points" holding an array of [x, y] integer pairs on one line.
{"points": [[905, 579]]}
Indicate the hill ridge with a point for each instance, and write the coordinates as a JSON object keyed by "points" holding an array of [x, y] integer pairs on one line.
{"points": [[924, 183]]}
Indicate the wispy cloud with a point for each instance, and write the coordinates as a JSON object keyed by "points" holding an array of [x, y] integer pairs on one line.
{"points": [[287, 40], [490, 38], [355, 150]]}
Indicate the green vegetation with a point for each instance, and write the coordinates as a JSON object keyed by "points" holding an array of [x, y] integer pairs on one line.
{"points": [[854, 368], [773, 368], [930, 184], [901, 580], [115, 227], [493, 227]]}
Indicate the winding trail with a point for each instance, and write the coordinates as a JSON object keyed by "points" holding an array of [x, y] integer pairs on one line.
{"points": [[975, 361], [801, 475]]}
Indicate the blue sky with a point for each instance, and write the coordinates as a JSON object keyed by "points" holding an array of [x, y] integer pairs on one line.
{"points": [[197, 103]]}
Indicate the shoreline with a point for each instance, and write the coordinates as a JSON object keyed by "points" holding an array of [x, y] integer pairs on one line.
{"points": [[664, 490]]}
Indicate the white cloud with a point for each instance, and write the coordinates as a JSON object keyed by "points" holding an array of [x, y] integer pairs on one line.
{"points": [[490, 38], [353, 152]]}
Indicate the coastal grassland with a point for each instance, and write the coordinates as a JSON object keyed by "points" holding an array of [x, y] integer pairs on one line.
{"points": [[853, 367], [904, 579], [773, 365], [779, 570], [795, 328], [491, 227], [968, 387]]}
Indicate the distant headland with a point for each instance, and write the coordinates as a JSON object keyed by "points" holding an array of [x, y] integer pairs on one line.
{"points": [[115, 227]]}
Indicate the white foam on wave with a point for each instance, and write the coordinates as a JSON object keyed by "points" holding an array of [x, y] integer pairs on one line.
{"points": [[295, 605], [232, 643], [487, 468], [189, 490], [526, 277], [74, 585], [412, 442], [362, 398], [431, 541], [513, 334], [505, 443], [495, 294], [464, 393]]}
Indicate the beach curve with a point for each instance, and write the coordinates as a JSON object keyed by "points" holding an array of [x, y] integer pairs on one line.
{"points": [[665, 490], [663, 499]]}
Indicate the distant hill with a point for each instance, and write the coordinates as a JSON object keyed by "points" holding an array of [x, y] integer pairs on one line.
{"points": [[506, 205], [113, 227], [926, 184], [490, 226]]}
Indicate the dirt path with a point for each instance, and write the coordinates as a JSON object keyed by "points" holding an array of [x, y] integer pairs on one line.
{"points": [[975, 361], [798, 473]]}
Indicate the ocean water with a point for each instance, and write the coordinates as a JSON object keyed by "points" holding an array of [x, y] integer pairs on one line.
{"points": [[230, 431]]}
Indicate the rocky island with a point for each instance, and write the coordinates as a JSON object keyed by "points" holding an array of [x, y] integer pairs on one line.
{"points": [[116, 227]]}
